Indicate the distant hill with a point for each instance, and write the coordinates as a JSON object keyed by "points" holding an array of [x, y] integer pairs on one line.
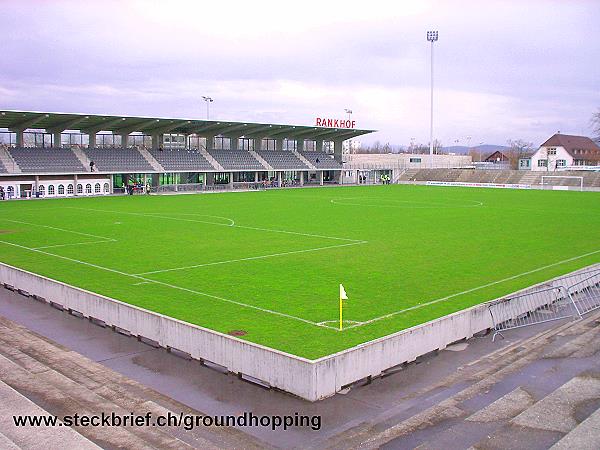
{"points": [[486, 149]]}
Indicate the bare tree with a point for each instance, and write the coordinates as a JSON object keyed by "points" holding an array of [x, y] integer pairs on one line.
{"points": [[596, 125], [518, 149]]}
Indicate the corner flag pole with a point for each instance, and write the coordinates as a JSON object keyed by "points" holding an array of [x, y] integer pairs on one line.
{"points": [[343, 297]]}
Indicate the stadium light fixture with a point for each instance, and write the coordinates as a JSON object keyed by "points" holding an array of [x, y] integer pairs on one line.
{"points": [[208, 101], [432, 36], [349, 112]]}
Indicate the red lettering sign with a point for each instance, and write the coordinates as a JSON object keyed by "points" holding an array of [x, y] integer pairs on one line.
{"points": [[335, 123]]}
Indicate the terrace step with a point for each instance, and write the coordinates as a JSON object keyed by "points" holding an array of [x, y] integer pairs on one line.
{"points": [[7, 161], [82, 157], [585, 436], [218, 167], [13, 403], [261, 160], [153, 162], [304, 160], [64, 382]]}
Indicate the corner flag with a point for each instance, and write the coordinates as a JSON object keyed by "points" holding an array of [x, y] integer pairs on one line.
{"points": [[343, 296]]}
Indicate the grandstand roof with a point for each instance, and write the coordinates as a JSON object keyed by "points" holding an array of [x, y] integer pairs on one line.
{"points": [[120, 124]]}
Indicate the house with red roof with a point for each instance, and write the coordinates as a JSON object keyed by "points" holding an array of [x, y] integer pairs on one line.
{"points": [[564, 151]]}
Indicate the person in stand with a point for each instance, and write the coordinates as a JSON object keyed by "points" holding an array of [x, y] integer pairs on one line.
{"points": [[92, 164], [2, 193]]}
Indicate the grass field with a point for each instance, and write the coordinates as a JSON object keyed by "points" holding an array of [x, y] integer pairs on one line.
{"points": [[270, 263]]}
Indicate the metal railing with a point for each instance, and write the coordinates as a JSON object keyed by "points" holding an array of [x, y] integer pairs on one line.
{"points": [[571, 296]]}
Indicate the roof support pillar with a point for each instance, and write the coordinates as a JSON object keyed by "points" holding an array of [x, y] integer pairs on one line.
{"points": [[300, 144], [125, 140], [19, 134], [337, 150], [319, 145], [91, 140], [56, 137], [258, 144], [234, 143], [279, 144], [210, 141], [157, 141]]}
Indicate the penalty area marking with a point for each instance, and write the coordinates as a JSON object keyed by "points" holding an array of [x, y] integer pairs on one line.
{"points": [[172, 286]]}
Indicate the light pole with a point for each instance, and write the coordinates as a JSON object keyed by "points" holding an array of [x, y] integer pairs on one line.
{"points": [[208, 101], [349, 112], [432, 36]]}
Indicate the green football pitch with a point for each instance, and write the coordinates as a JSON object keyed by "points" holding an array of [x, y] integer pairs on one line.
{"points": [[270, 263]]}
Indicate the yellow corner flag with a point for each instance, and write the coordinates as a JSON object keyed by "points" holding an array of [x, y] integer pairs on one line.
{"points": [[343, 296]]}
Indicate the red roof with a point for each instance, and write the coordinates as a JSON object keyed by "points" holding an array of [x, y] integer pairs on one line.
{"points": [[579, 147]]}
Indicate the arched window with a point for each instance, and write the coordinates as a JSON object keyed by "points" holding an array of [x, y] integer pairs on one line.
{"points": [[42, 189], [51, 189], [106, 188], [97, 188], [88, 188], [61, 189], [69, 189], [80, 188]]}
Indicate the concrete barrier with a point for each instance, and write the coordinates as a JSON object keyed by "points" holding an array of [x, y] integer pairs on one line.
{"points": [[310, 379]]}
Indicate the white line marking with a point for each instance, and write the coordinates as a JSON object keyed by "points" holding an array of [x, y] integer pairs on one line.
{"points": [[230, 224], [141, 282], [172, 286], [251, 258], [74, 243], [342, 201], [366, 322], [58, 229], [219, 224]]}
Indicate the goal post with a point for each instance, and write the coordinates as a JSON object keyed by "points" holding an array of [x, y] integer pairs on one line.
{"points": [[551, 181]]}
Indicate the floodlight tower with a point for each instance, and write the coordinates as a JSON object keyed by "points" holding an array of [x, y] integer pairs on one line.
{"points": [[432, 36], [208, 101], [349, 112]]}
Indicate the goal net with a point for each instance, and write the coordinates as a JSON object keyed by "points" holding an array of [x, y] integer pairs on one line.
{"points": [[562, 182]]}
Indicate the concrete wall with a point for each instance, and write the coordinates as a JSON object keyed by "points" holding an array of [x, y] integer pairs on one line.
{"points": [[403, 160], [309, 379]]}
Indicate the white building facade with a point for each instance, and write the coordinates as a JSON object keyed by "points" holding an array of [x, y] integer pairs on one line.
{"points": [[563, 151]]}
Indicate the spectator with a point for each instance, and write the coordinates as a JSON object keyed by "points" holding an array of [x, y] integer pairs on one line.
{"points": [[2, 194], [92, 164]]}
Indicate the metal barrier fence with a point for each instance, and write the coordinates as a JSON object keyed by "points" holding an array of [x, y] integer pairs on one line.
{"points": [[531, 308], [585, 294], [572, 295]]}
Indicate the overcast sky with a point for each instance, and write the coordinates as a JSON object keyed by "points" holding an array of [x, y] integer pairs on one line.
{"points": [[503, 70]]}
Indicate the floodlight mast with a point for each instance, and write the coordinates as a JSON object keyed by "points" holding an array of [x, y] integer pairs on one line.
{"points": [[208, 101], [349, 112], [432, 36]]}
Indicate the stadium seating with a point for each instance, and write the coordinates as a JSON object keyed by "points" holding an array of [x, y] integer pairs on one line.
{"points": [[189, 160], [33, 160], [2, 168], [325, 161], [118, 159], [282, 160], [236, 160]]}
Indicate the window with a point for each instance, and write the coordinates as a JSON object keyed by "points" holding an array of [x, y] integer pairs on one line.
{"points": [[524, 163], [561, 162], [97, 188], [61, 189], [542, 163], [70, 189], [51, 189], [80, 188], [42, 189], [88, 188], [415, 160], [552, 151], [106, 188]]}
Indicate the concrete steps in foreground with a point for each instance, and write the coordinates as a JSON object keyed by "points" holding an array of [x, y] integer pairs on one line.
{"points": [[63, 382]]}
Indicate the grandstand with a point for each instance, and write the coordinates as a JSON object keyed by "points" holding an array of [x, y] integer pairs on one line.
{"points": [[128, 150]]}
